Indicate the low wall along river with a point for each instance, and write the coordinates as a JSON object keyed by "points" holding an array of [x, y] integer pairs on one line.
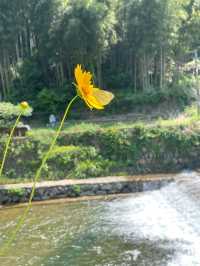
{"points": [[19, 193]]}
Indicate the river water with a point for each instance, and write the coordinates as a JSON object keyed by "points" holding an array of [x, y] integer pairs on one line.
{"points": [[157, 228]]}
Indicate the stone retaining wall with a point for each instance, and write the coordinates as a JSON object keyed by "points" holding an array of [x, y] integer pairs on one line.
{"points": [[19, 193]]}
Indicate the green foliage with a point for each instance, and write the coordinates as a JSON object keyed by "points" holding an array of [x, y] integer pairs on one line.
{"points": [[29, 79], [133, 101], [144, 148], [23, 158], [182, 92], [76, 189], [47, 100], [166, 145], [16, 192], [184, 89], [9, 112], [64, 162], [92, 168], [192, 111], [76, 161]]}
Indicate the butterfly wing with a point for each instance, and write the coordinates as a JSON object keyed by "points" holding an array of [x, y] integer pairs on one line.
{"points": [[102, 96]]}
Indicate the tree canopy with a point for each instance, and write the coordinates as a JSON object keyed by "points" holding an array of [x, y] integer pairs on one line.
{"points": [[127, 44]]}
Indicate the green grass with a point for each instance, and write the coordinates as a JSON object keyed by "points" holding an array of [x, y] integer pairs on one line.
{"points": [[180, 121], [76, 127], [187, 118]]}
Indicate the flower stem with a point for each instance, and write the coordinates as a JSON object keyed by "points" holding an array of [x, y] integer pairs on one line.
{"points": [[36, 178], [8, 143]]}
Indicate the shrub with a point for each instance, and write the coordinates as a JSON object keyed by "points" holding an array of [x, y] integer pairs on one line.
{"points": [[90, 168], [23, 157], [52, 100], [76, 189], [16, 192], [138, 149], [9, 112], [184, 90], [64, 162], [143, 148], [76, 161]]}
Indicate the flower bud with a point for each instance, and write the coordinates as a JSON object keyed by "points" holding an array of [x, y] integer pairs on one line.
{"points": [[24, 105]]}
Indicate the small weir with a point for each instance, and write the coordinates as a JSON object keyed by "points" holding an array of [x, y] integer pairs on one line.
{"points": [[70, 188], [150, 228]]}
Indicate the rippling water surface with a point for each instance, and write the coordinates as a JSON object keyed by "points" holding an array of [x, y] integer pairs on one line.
{"points": [[158, 228]]}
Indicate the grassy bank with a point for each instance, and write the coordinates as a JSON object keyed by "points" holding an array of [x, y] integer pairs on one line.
{"points": [[92, 150]]}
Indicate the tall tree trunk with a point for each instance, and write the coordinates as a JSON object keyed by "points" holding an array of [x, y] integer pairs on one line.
{"points": [[21, 45], [2, 81], [17, 51], [57, 75], [161, 67], [145, 71], [28, 39], [135, 74], [164, 67], [99, 70], [61, 74], [142, 82], [7, 73]]}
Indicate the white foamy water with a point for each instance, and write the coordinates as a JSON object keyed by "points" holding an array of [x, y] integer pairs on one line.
{"points": [[169, 218]]}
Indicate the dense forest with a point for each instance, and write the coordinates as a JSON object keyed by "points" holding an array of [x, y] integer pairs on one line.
{"points": [[129, 45]]}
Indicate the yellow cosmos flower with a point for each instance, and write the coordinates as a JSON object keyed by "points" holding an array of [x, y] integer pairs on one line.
{"points": [[93, 97], [24, 105]]}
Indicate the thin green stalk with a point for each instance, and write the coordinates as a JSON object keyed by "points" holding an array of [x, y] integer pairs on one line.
{"points": [[36, 178], [8, 143]]}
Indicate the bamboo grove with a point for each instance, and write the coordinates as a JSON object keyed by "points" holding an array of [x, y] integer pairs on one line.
{"points": [[135, 44]]}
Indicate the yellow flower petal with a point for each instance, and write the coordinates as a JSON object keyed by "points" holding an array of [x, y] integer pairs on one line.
{"points": [[78, 74], [93, 97], [83, 80]]}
